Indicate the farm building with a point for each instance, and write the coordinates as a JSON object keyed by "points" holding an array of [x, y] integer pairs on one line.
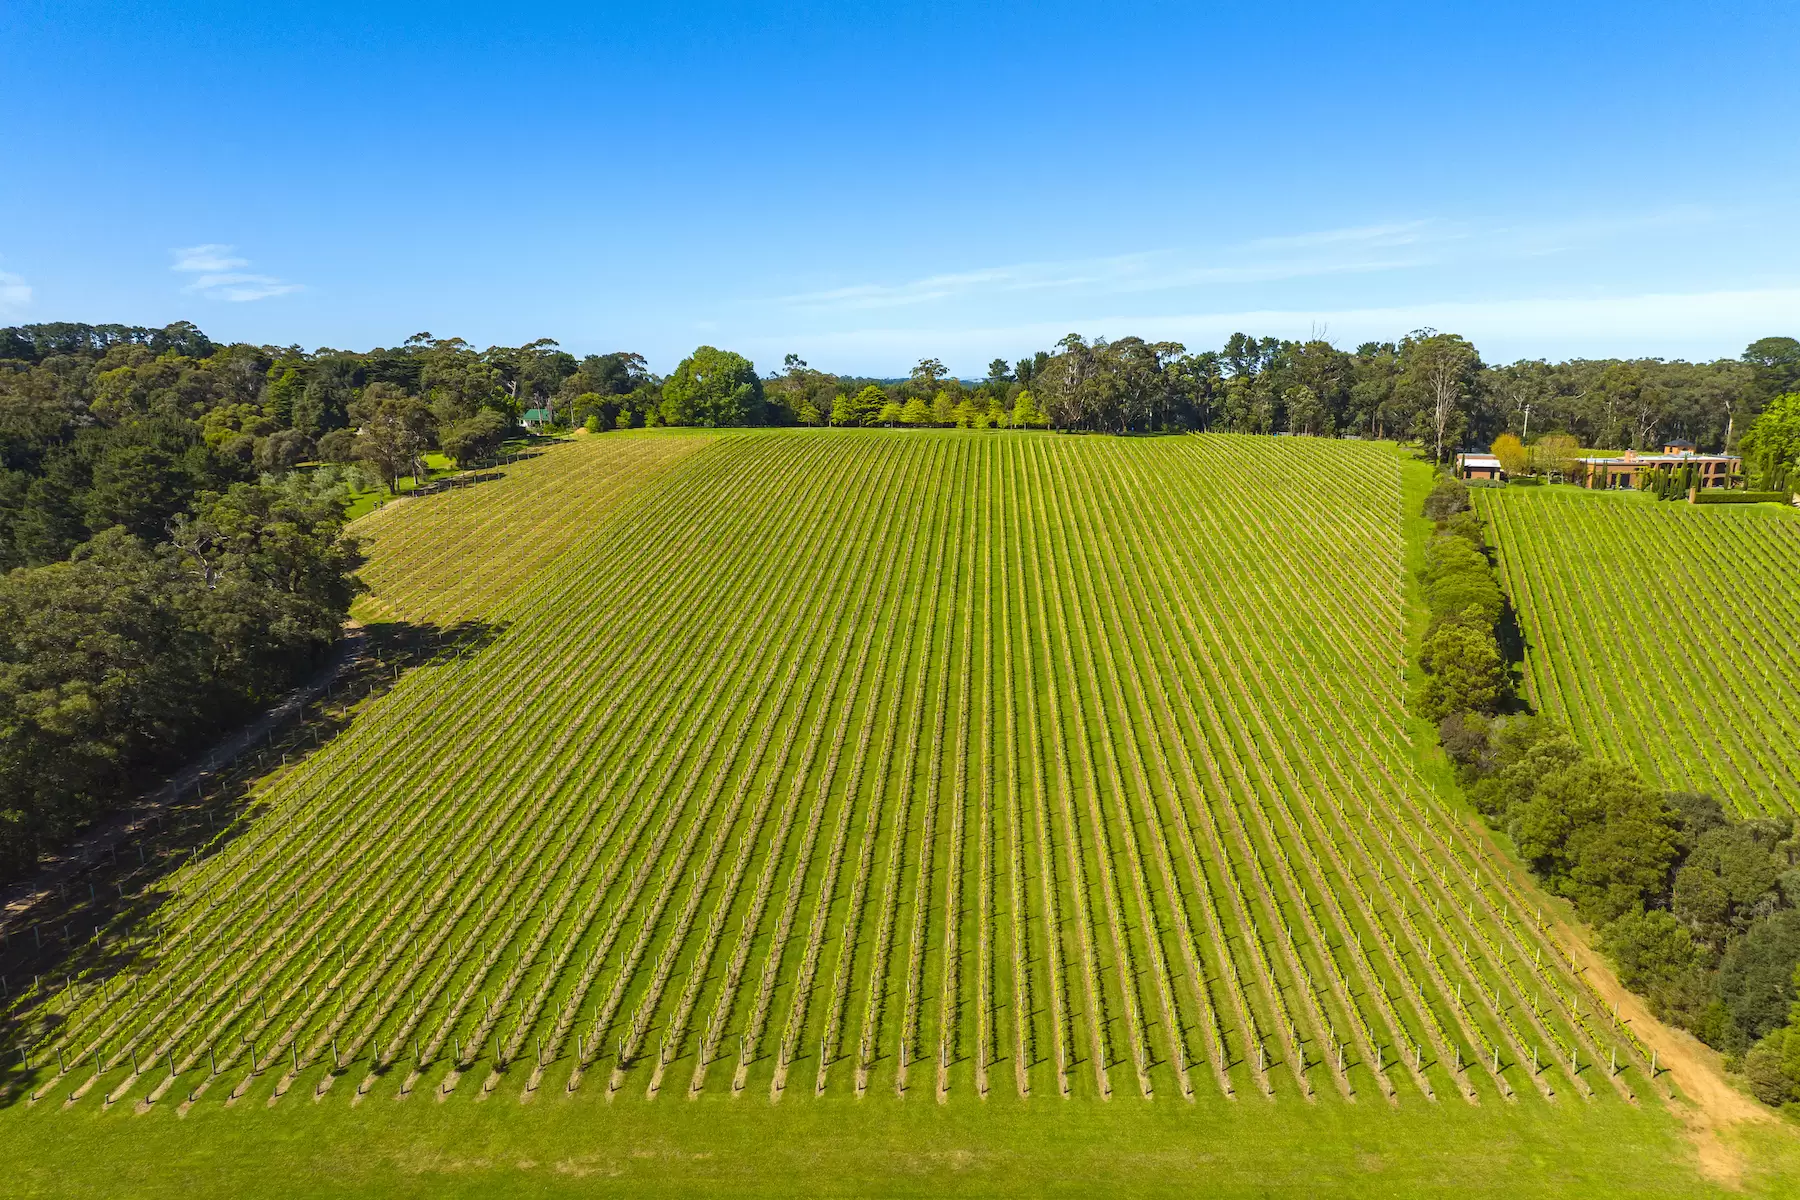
{"points": [[536, 418], [1713, 470], [1478, 466]]}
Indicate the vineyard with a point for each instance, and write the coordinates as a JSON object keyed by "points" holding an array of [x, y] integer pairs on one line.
{"points": [[937, 766], [454, 558], [1662, 634]]}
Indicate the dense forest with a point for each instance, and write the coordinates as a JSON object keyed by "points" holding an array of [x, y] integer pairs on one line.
{"points": [[1432, 387], [171, 508], [169, 573]]}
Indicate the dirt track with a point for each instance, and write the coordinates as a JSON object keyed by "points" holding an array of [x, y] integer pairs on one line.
{"points": [[23, 894], [1712, 1105]]}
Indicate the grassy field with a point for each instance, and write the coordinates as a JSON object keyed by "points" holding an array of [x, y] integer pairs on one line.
{"points": [[1662, 634], [361, 503], [837, 1146], [457, 556], [901, 812]]}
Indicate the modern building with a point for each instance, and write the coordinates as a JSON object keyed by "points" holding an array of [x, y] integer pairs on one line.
{"points": [[1710, 470], [1478, 466]]}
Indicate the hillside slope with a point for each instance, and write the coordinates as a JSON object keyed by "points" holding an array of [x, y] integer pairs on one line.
{"points": [[1663, 634], [835, 780], [1055, 765], [453, 555]]}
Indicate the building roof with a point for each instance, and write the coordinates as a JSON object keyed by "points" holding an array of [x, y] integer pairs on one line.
{"points": [[536, 414], [1478, 460], [1661, 459]]}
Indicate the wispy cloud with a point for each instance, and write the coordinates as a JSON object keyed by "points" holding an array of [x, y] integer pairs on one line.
{"points": [[1327, 252], [1396, 233], [1695, 325], [1358, 249], [218, 275], [211, 257], [15, 293]]}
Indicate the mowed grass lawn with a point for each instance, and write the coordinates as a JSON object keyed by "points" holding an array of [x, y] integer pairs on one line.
{"points": [[716, 1146], [1663, 634], [902, 812]]}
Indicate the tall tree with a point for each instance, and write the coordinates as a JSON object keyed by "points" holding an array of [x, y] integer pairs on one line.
{"points": [[927, 376], [713, 387], [394, 430], [1772, 444], [1438, 371], [1374, 372], [1775, 366]]}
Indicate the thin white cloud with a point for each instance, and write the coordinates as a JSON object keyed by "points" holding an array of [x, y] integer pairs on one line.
{"points": [[1359, 249], [240, 287], [932, 287], [217, 275], [210, 257], [1705, 323], [1365, 248], [15, 293], [1694, 325], [1396, 233], [1119, 274]]}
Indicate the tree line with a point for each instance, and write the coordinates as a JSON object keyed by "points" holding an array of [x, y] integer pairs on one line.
{"points": [[273, 407], [1428, 386], [1698, 910]]}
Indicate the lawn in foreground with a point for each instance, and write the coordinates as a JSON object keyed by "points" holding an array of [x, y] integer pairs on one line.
{"points": [[582, 1145]]}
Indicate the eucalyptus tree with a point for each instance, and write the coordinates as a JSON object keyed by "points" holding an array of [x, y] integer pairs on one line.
{"points": [[1438, 373], [393, 432]]}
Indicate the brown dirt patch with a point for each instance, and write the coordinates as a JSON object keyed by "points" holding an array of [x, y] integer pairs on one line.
{"points": [[1711, 1106]]}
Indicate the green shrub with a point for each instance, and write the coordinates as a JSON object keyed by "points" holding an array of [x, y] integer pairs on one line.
{"points": [[1464, 672], [1457, 575], [1763, 1068], [1721, 496], [1756, 977], [1448, 497], [1526, 481], [1651, 949]]}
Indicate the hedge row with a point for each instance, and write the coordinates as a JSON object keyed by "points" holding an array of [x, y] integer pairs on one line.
{"points": [[1721, 496]]}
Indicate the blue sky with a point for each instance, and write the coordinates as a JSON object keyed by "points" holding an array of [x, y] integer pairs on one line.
{"points": [[869, 184]]}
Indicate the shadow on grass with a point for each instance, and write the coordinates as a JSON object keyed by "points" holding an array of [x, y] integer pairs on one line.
{"points": [[487, 471], [1511, 639], [84, 920]]}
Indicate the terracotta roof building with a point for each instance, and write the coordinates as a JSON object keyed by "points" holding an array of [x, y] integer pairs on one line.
{"points": [[1710, 470]]}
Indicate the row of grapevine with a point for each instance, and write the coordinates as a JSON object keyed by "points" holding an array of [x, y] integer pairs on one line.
{"points": [[1662, 634], [1032, 758]]}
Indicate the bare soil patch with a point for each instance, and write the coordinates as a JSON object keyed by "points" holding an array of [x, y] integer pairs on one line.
{"points": [[1711, 1105]]}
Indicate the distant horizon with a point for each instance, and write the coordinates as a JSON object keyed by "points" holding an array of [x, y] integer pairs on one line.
{"points": [[764, 367]]}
